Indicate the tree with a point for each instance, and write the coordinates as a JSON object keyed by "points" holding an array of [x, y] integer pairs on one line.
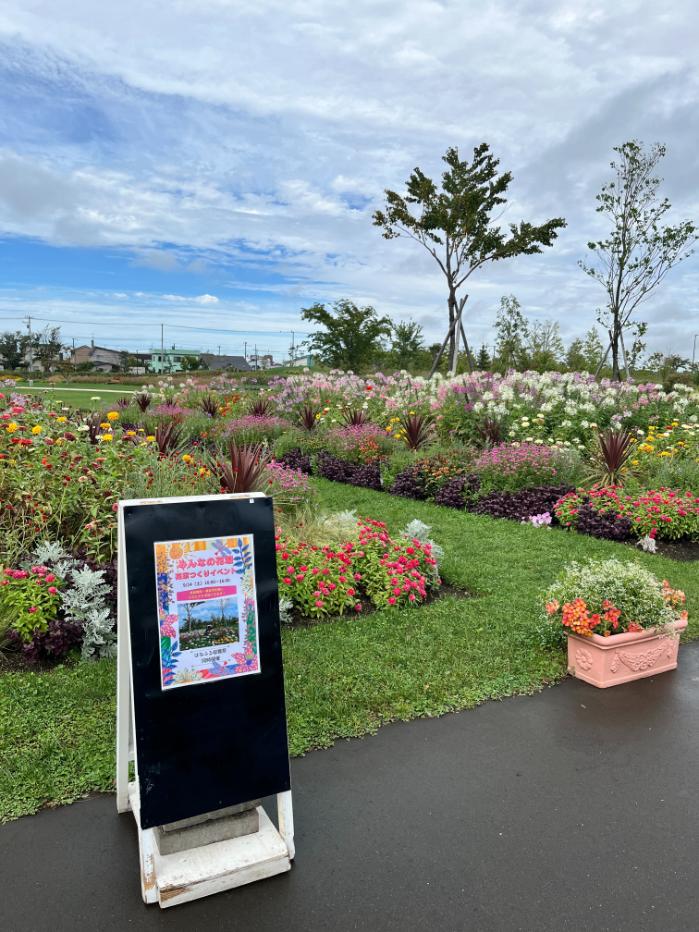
{"points": [[483, 360], [13, 348], [575, 360], [545, 347], [192, 364], [592, 350], [457, 227], [406, 344], [640, 249], [638, 346], [352, 335], [46, 347], [511, 334]]}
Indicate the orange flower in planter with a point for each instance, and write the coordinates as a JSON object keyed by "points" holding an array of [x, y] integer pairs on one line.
{"points": [[576, 617]]}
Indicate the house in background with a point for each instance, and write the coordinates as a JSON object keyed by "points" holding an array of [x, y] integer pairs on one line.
{"points": [[261, 362], [301, 362], [217, 363], [101, 357], [171, 359]]}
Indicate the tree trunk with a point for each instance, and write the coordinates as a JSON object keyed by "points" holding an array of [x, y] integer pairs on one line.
{"points": [[614, 342], [453, 311]]}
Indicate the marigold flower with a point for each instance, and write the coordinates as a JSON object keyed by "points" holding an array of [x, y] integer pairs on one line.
{"points": [[113, 416], [37, 429]]}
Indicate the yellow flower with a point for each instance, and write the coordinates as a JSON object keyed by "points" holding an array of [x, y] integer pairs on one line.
{"points": [[37, 429], [186, 458], [61, 419], [12, 427], [105, 425], [106, 437], [203, 471], [150, 438], [665, 453], [113, 416], [130, 433]]}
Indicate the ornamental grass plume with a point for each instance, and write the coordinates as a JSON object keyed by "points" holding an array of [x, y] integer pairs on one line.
{"points": [[416, 430], [355, 417], [244, 471], [608, 458], [209, 405], [261, 407], [308, 416], [143, 400], [169, 438]]}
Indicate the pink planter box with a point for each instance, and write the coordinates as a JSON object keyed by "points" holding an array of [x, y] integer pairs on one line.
{"points": [[623, 657]]}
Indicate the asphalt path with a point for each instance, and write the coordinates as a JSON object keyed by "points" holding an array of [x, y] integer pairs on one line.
{"points": [[574, 809]]}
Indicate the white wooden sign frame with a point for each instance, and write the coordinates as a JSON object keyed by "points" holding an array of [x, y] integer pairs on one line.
{"points": [[170, 879]]}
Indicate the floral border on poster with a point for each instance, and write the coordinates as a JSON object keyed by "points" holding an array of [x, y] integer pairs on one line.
{"points": [[246, 661]]}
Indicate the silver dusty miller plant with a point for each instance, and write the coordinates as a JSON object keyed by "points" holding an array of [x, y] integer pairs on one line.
{"points": [[83, 600], [420, 531]]}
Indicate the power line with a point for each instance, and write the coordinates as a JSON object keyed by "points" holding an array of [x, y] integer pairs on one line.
{"points": [[171, 326]]}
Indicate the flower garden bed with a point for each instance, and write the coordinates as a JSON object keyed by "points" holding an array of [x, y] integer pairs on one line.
{"points": [[509, 447]]}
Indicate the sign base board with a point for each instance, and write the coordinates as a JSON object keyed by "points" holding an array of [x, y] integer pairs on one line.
{"points": [[171, 879]]}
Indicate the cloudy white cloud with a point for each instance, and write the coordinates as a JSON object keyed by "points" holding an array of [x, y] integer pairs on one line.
{"points": [[210, 136]]}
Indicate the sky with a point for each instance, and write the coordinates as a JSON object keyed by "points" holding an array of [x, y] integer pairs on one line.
{"points": [[213, 165]]}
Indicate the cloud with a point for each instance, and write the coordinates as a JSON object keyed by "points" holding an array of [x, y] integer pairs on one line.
{"points": [[250, 144], [185, 299]]}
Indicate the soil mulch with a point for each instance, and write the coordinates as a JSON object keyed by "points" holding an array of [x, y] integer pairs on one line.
{"points": [[301, 621], [683, 550]]}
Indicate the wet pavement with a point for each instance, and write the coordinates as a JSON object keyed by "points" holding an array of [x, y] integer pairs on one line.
{"points": [[574, 809]]}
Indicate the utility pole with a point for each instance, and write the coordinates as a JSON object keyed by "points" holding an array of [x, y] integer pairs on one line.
{"points": [[694, 349], [30, 349], [162, 347], [219, 349]]}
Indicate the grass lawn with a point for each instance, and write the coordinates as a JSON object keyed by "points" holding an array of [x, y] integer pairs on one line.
{"points": [[346, 677], [77, 397]]}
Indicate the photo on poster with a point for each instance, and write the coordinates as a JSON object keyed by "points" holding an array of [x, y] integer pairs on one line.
{"points": [[207, 609]]}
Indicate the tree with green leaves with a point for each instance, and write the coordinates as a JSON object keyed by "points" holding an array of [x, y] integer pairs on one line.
{"points": [[545, 349], [192, 364], [483, 360], [457, 225], [593, 350], [13, 349], [575, 356], [47, 347], [640, 248], [351, 336], [511, 334], [406, 344]]}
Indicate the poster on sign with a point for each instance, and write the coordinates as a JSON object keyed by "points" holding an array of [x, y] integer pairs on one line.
{"points": [[207, 609]]}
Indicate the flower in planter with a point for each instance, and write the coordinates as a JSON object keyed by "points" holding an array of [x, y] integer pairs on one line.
{"points": [[607, 597]]}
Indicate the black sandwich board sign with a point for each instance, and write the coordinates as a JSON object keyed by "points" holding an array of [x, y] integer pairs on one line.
{"points": [[200, 662]]}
